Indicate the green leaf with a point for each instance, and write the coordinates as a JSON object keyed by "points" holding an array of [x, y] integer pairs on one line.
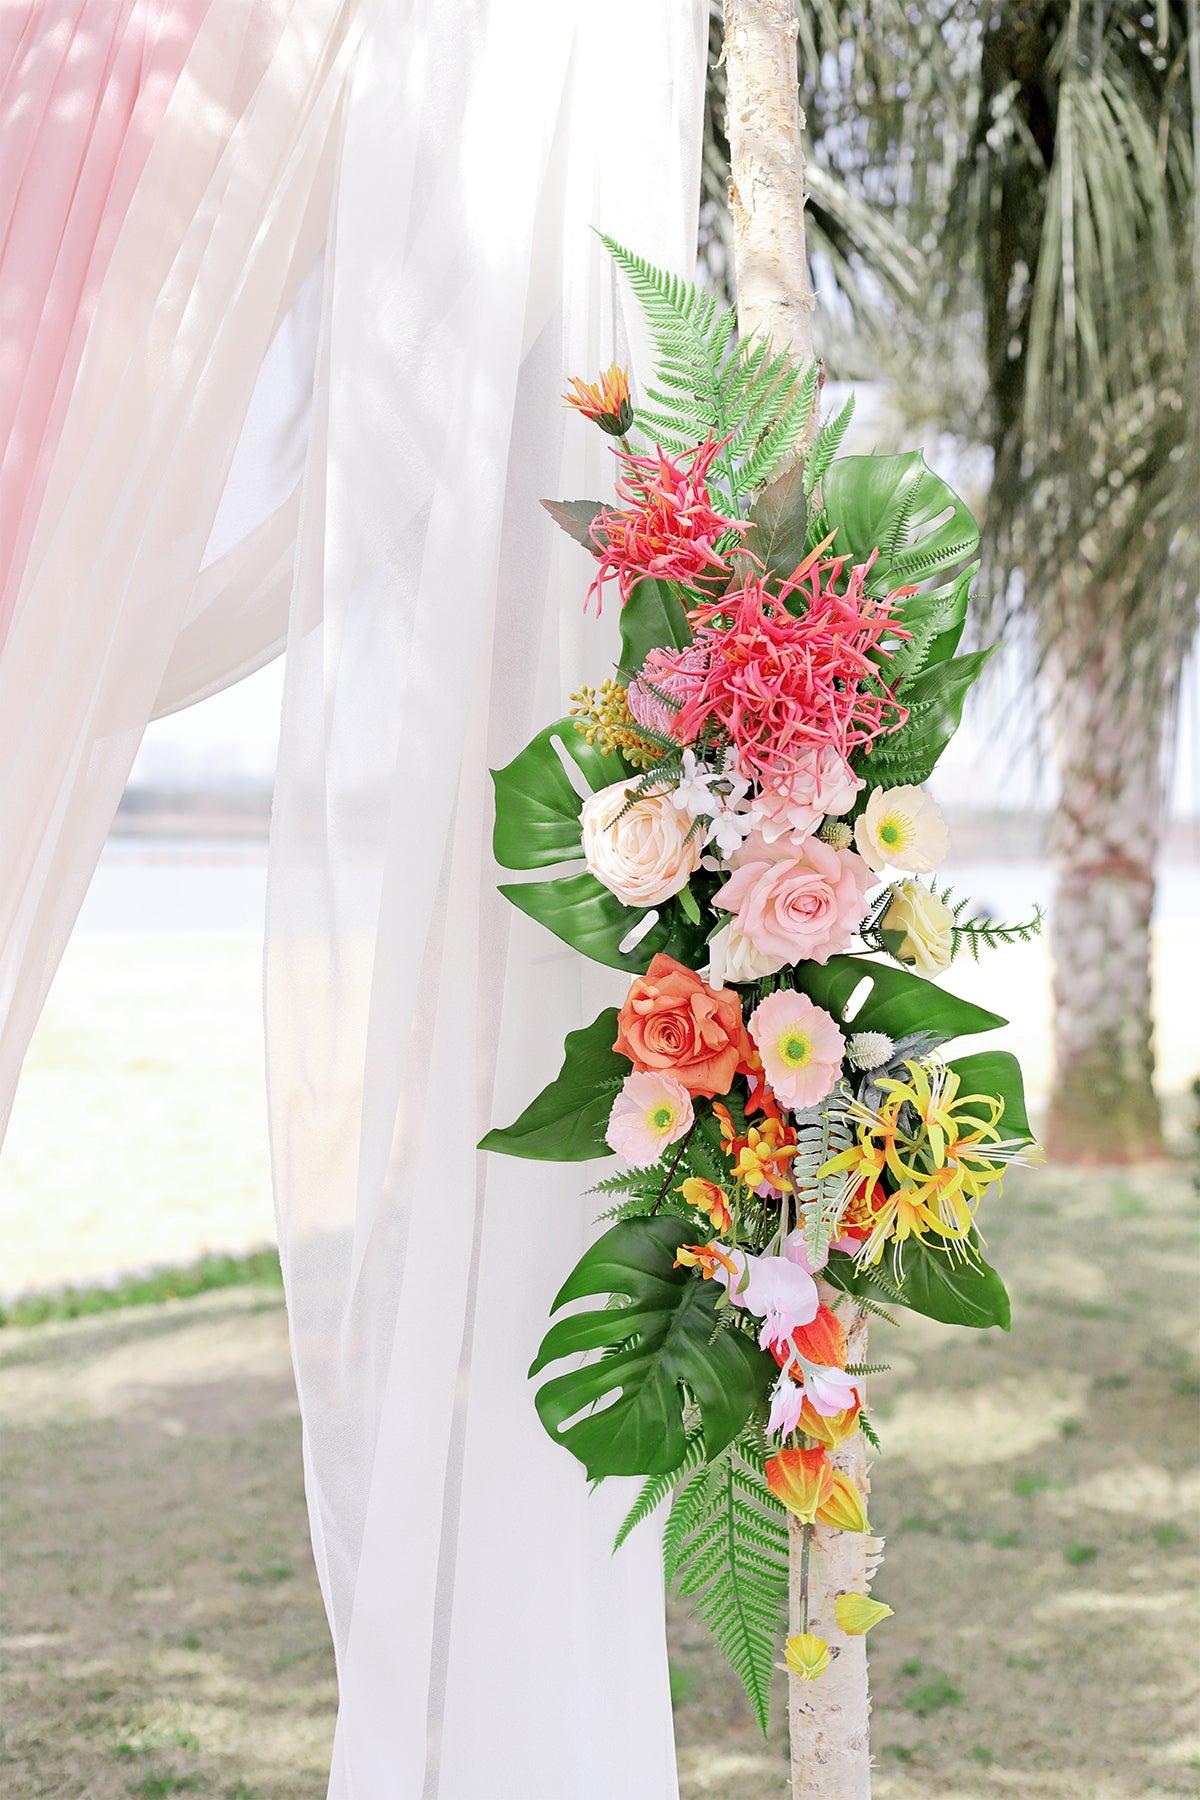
{"points": [[898, 506], [663, 1344], [779, 523], [935, 703], [651, 619], [997, 1073], [656, 1488], [567, 1121], [575, 517], [537, 809], [898, 1003], [934, 619], [954, 1292], [583, 913]]}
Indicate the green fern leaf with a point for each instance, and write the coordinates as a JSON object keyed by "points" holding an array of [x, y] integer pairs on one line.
{"points": [[656, 1489], [726, 1548]]}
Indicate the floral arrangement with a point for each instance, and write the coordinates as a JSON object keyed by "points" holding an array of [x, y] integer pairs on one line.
{"points": [[745, 795]]}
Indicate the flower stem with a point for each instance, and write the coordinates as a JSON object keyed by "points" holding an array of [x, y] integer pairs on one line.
{"points": [[806, 1532], [662, 1192]]}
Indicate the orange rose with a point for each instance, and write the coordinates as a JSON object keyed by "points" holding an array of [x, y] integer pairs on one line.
{"points": [[673, 1022]]}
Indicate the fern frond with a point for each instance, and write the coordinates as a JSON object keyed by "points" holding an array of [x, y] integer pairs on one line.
{"points": [[825, 447], [726, 1547], [657, 1488], [990, 933], [821, 1133], [753, 399], [869, 1431]]}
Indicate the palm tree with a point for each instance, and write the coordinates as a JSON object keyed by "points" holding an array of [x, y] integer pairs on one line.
{"points": [[1038, 159]]}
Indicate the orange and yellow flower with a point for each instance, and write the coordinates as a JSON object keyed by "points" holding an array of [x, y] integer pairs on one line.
{"points": [[604, 401], [845, 1507], [708, 1258], [802, 1481], [807, 1655], [709, 1199], [760, 1158]]}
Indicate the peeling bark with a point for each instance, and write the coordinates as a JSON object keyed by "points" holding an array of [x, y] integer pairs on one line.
{"points": [[829, 1717], [765, 128]]}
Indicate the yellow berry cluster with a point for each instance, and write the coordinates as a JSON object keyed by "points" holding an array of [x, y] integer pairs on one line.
{"points": [[605, 720]]}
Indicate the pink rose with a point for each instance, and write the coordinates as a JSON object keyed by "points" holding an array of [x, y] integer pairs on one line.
{"points": [[823, 784], [797, 904]]}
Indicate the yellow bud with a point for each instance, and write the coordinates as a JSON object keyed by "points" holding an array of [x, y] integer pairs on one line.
{"points": [[807, 1655], [856, 1613], [845, 1508]]}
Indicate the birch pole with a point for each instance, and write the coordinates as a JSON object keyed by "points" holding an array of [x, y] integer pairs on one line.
{"points": [[828, 1718]]}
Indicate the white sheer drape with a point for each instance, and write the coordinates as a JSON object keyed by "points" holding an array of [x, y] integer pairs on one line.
{"points": [[488, 1645], [118, 603]]}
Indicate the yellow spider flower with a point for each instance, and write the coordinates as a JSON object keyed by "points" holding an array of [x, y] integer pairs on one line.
{"points": [[940, 1151]]}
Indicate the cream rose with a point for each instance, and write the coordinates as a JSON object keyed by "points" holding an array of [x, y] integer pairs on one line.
{"points": [[732, 957], [926, 925], [641, 853]]}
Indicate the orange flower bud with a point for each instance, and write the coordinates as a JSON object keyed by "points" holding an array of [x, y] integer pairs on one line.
{"points": [[801, 1480], [845, 1508], [829, 1432]]}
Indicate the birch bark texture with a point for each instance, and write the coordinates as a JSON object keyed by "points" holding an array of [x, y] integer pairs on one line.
{"points": [[828, 1718]]}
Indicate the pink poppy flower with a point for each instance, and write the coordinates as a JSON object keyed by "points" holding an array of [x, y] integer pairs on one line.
{"points": [[801, 1047]]}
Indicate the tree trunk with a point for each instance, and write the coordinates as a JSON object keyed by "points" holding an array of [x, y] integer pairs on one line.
{"points": [[828, 1718], [1108, 720]]}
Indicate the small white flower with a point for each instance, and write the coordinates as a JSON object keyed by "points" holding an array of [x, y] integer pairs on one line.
{"points": [[728, 832], [691, 794]]}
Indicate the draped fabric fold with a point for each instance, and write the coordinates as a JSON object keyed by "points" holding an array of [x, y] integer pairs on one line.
{"points": [[381, 211], [437, 615], [227, 219]]}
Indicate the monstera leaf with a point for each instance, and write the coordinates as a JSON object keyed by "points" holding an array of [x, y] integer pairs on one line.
{"points": [[537, 825], [926, 1280], [898, 1003], [898, 506], [567, 1121], [662, 1345]]}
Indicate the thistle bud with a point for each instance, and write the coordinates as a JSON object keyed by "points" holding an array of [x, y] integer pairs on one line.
{"points": [[869, 1049]]}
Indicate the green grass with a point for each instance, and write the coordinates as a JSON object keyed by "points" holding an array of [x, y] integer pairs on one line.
{"points": [[932, 1695], [1080, 1554], [1168, 1533], [260, 1268]]}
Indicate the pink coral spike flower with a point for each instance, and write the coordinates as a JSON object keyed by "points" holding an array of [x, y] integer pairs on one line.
{"points": [[779, 684], [667, 526]]}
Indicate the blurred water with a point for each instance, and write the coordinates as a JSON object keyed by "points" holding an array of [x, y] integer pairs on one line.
{"points": [[218, 885]]}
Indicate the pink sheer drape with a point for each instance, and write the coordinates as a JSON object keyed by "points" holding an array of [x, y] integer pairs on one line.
{"points": [[83, 88]]}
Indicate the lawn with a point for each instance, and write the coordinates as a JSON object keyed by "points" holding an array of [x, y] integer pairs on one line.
{"points": [[1038, 1493]]}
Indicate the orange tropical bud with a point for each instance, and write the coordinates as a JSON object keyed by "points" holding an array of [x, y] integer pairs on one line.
{"points": [[604, 401], [845, 1508], [801, 1480], [829, 1432]]}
